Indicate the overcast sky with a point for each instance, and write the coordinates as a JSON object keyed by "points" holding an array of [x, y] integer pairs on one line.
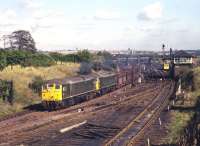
{"points": [[105, 24]]}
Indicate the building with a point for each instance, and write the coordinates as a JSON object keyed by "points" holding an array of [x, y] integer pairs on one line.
{"points": [[183, 58]]}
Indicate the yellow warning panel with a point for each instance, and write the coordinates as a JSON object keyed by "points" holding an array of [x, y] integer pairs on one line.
{"points": [[166, 66], [97, 84]]}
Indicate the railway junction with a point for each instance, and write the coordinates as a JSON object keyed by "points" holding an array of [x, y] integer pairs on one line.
{"points": [[120, 117]]}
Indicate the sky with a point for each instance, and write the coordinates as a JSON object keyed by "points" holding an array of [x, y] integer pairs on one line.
{"points": [[104, 24]]}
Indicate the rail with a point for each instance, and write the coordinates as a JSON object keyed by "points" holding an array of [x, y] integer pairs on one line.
{"points": [[156, 111]]}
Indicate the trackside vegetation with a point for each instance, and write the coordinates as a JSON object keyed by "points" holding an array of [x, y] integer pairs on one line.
{"points": [[25, 58], [185, 104], [29, 69], [38, 59], [27, 82]]}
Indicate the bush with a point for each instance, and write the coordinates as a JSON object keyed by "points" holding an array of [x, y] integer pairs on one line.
{"points": [[39, 60], [6, 90], [70, 58], [3, 61], [56, 56], [36, 84], [64, 58], [186, 76]]}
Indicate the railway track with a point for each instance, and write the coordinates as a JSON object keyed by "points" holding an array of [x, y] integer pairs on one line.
{"points": [[154, 117], [136, 128], [101, 115], [34, 113], [91, 135], [104, 117]]}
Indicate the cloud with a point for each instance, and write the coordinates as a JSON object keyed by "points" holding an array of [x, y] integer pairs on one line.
{"points": [[8, 18], [47, 19], [106, 15], [151, 12], [44, 13], [39, 17], [53, 27], [51, 20], [31, 4]]}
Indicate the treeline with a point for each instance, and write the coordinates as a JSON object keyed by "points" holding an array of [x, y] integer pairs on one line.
{"points": [[24, 58], [27, 58], [36, 59]]}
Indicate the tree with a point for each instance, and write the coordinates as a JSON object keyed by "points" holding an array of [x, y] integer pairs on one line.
{"points": [[15, 57], [22, 40], [70, 58], [3, 61], [105, 54], [84, 56], [38, 59], [56, 56]]}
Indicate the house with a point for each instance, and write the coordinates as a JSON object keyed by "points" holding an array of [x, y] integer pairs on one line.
{"points": [[183, 58]]}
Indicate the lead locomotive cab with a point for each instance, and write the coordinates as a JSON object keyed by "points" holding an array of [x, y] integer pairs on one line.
{"points": [[51, 95], [52, 92]]}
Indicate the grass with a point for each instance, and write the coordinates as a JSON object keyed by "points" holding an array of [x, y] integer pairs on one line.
{"points": [[21, 77], [176, 127], [6, 109], [180, 119]]}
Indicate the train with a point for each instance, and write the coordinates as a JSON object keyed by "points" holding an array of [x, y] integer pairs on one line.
{"points": [[166, 66], [59, 93]]}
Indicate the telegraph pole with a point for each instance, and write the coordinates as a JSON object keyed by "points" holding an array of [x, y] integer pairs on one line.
{"points": [[163, 49]]}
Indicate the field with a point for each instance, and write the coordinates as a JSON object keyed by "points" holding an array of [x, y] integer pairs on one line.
{"points": [[21, 77]]}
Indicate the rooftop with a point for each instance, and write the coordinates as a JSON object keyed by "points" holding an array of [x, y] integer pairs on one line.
{"points": [[182, 53]]}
